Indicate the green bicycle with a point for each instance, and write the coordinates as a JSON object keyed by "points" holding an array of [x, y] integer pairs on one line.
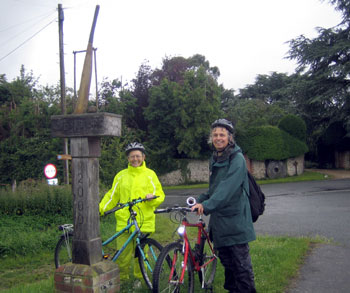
{"points": [[147, 251]]}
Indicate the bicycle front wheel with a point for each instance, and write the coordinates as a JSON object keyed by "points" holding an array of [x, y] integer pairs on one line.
{"points": [[208, 261], [168, 270], [151, 250], [63, 250]]}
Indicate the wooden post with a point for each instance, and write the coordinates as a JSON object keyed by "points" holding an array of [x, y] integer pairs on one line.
{"points": [[85, 131]]}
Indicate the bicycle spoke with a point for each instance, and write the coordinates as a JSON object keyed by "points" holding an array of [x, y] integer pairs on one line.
{"points": [[151, 250], [168, 271], [208, 262]]}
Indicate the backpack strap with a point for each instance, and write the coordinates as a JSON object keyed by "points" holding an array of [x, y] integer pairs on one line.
{"points": [[234, 154], [230, 158]]}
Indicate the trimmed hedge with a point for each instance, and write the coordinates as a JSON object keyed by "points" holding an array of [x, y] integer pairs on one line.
{"points": [[270, 143], [293, 125], [41, 199]]}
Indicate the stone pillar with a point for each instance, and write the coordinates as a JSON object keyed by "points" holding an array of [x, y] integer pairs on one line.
{"points": [[88, 268]]}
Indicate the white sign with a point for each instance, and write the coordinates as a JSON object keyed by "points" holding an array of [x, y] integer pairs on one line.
{"points": [[50, 171], [53, 181]]}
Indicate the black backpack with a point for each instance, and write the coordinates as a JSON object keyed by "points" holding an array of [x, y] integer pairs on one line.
{"points": [[256, 196]]}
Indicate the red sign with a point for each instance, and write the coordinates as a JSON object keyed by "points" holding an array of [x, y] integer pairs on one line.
{"points": [[50, 171]]}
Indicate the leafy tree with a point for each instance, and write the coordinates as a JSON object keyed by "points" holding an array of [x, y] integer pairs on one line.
{"points": [[251, 113], [200, 106], [26, 144], [273, 89], [324, 63], [141, 86], [180, 112]]}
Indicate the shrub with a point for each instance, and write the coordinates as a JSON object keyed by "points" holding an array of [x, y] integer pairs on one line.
{"points": [[293, 125], [40, 199], [270, 143]]}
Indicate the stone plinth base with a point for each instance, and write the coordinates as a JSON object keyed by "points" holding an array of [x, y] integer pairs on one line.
{"points": [[100, 277]]}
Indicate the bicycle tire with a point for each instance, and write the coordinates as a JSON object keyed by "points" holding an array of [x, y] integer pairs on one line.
{"points": [[63, 253], [162, 279], [152, 250], [208, 272]]}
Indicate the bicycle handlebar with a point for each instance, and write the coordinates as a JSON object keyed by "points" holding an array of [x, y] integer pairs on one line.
{"points": [[168, 210], [128, 204]]}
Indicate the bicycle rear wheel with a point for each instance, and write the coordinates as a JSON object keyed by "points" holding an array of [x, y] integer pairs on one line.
{"points": [[168, 271], [151, 249], [207, 273], [63, 250]]}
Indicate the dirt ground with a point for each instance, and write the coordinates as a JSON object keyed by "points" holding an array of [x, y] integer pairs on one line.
{"points": [[335, 173]]}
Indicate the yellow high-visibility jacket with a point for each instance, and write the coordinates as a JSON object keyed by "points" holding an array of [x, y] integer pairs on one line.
{"points": [[133, 183]]}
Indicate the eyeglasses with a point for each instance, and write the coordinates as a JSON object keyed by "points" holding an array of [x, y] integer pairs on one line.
{"points": [[135, 157]]}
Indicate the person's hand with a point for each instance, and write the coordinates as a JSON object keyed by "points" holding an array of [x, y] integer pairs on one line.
{"points": [[150, 196], [199, 208]]}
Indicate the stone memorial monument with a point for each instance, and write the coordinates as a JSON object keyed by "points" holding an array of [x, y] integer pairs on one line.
{"points": [[88, 272]]}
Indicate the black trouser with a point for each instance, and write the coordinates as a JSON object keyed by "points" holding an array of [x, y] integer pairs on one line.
{"points": [[239, 276]]}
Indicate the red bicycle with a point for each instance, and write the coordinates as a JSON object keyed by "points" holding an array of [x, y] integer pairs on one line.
{"points": [[175, 266]]}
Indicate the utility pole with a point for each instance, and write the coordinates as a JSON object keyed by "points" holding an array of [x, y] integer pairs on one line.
{"points": [[63, 87]]}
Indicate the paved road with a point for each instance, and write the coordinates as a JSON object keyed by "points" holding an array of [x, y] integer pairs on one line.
{"points": [[315, 208]]}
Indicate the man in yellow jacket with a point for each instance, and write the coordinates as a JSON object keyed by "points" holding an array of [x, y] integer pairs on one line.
{"points": [[136, 181]]}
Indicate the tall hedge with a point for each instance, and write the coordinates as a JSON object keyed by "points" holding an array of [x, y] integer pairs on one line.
{"points": [[270, 143], [293, 125]]}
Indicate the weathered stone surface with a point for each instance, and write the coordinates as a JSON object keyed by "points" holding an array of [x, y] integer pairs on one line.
{"points": [[86, 125], [100, 277], [85, 175], [85, 131], [295, 166]]}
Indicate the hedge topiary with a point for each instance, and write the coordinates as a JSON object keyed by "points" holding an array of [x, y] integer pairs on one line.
{"points": [[270, 143], [293, 125]]}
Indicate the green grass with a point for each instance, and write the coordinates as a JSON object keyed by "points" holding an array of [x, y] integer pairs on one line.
{"points": [[306, 176], [275, 259], [27, 245]]}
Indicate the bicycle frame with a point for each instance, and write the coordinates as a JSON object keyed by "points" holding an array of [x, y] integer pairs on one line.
{"points": [[132, 236], [146, 252], [186, 247]]}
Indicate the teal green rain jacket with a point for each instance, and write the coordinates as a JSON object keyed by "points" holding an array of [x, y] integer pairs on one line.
{"points": [[227, 201]]}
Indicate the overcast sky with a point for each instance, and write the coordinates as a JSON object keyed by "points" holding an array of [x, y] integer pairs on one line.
{"points": [[243, 38]]}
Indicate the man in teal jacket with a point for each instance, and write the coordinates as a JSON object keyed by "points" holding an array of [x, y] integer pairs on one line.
{"points": [[227, 203], [132, 183]]}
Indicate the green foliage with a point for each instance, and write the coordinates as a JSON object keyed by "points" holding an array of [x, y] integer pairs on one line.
{"points": [[113, 159], [251, 113], [270, 143], [293, 125], [32, 271], [324, 67], [32, 198], [179, 117], [25, 141], [273, 89]]}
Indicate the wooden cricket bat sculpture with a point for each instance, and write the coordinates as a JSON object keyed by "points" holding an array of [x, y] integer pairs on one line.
{"points": [[84, 90]]}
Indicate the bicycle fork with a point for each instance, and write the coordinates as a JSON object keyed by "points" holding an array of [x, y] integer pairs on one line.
{"points": [[144, 257], [174, 278]]}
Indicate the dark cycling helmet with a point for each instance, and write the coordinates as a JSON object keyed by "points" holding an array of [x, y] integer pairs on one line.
{"points": [[223, 123], [134, 146]]}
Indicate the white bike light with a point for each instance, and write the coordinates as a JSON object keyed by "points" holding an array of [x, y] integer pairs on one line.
{"points": [[181, 230]]}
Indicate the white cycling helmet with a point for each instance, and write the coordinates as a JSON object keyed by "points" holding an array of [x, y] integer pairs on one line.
{"points": [[134, 146], [223, 123]]}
